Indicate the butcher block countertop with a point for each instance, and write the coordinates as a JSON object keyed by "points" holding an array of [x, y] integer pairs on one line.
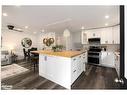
{"points": [[68, 54]]}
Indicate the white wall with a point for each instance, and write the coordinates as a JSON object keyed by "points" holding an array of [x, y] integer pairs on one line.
{"points": [[12, 39]]}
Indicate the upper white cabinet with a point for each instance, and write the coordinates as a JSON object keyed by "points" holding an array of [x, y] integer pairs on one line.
{"points": [[106, 36], [110, 35], [86, 34], [84, 37], [116, 34], [95, 33]]}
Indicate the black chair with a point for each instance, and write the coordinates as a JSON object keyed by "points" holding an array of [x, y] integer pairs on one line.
{"points": [[34, 58], [25, 54]]}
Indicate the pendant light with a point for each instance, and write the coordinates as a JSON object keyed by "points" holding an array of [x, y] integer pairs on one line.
{"points": [[66, 33]]}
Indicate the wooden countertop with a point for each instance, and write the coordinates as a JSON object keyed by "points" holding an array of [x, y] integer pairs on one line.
{"points": [[68, 54]]}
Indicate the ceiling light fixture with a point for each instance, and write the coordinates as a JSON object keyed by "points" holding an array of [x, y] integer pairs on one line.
{"points": [[26, 27], [43, 30], [5, 14], [82, 27], [107, 16], [34, 32], [106, 24], [18, 29]]}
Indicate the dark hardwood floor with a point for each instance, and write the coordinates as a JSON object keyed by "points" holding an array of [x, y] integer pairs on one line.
{"points": [[29, 80], [96, 77]]}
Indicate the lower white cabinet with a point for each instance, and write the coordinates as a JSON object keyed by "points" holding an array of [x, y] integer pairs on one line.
{"points": [[56, 69], [84, 60], [62, 70], [78, 66], [117, 64], [107, 59]]}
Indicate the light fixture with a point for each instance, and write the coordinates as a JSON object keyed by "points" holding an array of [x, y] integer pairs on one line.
{"points": [[26, 27], [66, 33], [18, 29], [17, 5], [5, 14], [34, 32], [107, 16], [106, 24], [82, 27], [42, 30]]}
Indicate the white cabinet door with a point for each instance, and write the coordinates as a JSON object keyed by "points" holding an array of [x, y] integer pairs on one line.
{"points": [[107, 59], [94, 33], [84, 37], [117, 64], [42, 65], [76, 67], [79, 65], [84, 60], [106, 36], [116, 34]]}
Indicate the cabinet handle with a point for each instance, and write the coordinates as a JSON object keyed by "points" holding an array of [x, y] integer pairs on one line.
{"points": [[74, 59], [113, 41], [84, 57], [45, 58], [74, 71], [79, 56]]}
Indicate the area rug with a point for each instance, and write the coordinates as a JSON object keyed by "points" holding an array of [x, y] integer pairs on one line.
{"points": [[12, 70]]}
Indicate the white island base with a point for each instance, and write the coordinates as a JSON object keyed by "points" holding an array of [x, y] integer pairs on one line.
{"points": [[61, 70]]}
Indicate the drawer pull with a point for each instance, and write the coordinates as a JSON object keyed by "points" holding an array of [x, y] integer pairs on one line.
{"points": [[45, 58], [74, 59], [74, 71]]}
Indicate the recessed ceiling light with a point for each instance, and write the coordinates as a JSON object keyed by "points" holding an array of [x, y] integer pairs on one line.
{"points": [[26, 27], [82, 27], [18, 5], [18, 29], [5, 14], [106, 24], [43, 30], [34, 32], [107, 16]]}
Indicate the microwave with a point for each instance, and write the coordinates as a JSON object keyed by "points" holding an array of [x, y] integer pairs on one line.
{"points": [[94, 40]]}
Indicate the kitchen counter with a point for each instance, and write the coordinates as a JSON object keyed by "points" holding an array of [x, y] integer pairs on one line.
{"points": [[68, 54], [63, 67]]}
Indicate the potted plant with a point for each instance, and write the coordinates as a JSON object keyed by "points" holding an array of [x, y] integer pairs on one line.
{"points": [[57, 48]]}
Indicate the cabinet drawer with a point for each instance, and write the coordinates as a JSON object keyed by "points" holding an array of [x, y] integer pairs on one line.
{"points": [[73, 75]]}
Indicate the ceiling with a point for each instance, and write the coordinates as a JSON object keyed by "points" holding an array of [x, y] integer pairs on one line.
{"points": [[58, 18]]}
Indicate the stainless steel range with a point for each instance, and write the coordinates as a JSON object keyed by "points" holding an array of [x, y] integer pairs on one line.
{"points": [[94, 51], [94, 54]]}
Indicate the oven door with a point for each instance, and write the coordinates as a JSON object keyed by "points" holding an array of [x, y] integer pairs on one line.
{"points": [[93, 60]]}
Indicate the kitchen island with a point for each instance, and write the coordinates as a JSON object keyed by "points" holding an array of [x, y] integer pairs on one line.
{"points": [[63, 67]]}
